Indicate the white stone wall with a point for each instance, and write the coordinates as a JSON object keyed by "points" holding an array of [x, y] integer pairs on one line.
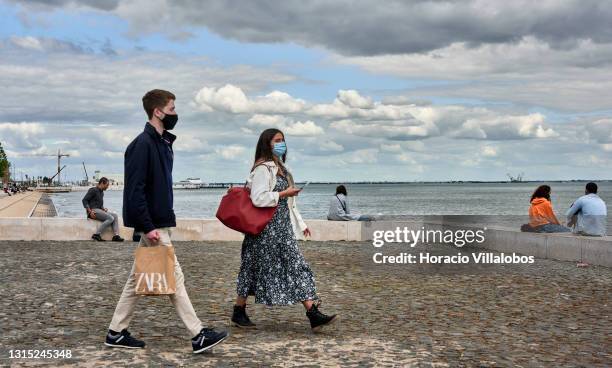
{"points": [[565, 247]]}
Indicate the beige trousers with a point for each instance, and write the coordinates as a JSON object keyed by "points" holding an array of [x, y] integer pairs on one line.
{"points": [[180, 300]]}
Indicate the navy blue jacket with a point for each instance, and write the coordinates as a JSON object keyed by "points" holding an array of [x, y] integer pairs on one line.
{"points": [[147, 194]]}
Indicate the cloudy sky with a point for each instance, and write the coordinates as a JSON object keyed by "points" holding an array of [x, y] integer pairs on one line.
{"points": [[364, 90]]}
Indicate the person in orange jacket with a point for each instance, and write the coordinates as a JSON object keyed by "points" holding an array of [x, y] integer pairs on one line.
{"points": [[542, 218]]}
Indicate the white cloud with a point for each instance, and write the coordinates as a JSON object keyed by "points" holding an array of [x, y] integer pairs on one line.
{"points": [[22, 135], [28, 42], [232, 99], [303, 129], [489, 151], [352, 98], [600, 131], [287, 125], [362, 156], [529, 71], [232, 152], [395, 147], [330, 146], [406, 158], [191, 143], [505, 127], [376, 111], [397, 130], [67, 83]]}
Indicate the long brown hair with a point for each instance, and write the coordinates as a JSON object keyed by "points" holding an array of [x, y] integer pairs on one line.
{"points": [[263, 150], [543, 191]]}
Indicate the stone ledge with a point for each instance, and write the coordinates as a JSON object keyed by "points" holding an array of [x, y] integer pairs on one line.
{"points": [[68, 229], [564, 247]]}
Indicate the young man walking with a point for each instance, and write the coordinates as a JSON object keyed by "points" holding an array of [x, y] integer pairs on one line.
{"points": [[147, 207]]}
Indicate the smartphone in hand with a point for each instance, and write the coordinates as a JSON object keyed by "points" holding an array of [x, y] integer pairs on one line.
{"points": [[304, 186]]}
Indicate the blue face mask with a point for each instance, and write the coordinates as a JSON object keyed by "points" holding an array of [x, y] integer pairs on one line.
{"points": [[279, 149]]}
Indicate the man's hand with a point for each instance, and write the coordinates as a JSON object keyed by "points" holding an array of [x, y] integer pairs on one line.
{"points": [[91, 213], [307, 232], [153, 236]]}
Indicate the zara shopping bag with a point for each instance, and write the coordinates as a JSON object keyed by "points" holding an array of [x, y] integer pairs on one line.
{"points": [[154, 270]]}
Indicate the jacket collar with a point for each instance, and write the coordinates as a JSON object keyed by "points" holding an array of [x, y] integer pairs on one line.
{"points": [[153, 132]]}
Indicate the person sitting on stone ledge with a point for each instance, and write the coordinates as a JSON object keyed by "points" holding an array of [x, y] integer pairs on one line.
{"points": [[94, 205], [339, 210], [542, 218], [588, 214]]}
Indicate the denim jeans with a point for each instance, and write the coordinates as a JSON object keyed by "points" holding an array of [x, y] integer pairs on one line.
{"points": [[552, 228]]}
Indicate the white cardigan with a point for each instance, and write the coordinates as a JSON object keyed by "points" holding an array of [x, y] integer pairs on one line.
{"points": [[261, 183]]}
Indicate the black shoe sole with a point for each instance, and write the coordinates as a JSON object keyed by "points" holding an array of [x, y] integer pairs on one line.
{"points": [[242, 326], [324, 326], [211, 346], [123, 346]]}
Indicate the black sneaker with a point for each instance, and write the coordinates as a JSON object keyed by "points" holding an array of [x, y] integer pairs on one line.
{"points": [[117, 238], [207, 339], [97, 237], [317, 319], [240, 318], [123, 340]]}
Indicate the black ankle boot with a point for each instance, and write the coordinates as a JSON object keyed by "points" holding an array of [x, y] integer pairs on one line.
{"points": [[318, 319], [240, 318]]}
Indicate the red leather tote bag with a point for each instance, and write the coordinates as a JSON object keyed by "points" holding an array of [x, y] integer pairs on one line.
{"points": [[237, 212]]}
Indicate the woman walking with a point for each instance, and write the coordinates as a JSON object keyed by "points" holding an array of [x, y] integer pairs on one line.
{"points": [[272, 266]]}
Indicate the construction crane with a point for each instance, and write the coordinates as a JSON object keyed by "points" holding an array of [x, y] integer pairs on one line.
{"points": [[56, 174], [516, 179], [86, 176], [59, 156]]}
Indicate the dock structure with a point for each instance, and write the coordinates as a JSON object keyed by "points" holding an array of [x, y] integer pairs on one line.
{"points": [[19, 205], [28, 204]]}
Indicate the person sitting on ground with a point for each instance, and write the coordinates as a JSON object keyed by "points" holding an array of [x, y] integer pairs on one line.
{"points": [[339, 209], [94, 205], [588, 214], [542, 218]]}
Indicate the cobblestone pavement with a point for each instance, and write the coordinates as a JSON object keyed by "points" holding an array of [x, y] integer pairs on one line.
{"points": [[61, 295]]}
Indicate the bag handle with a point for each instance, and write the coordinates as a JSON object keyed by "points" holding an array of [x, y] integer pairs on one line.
{"points": [[259, 164], [341, 204]]}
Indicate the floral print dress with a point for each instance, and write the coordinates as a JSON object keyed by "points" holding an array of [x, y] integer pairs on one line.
{"points": [[272, 266]]}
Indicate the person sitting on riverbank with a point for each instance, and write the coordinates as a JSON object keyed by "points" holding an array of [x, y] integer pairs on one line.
{"points": [[588, 214], [339, 209], [94, 205], [542, 218]]}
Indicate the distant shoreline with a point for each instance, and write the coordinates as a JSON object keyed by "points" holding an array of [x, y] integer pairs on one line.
{"points": [[461, 182], [81, 188]]}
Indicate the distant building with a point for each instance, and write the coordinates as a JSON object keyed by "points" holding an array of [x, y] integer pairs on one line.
{"points": [[114, 179]]}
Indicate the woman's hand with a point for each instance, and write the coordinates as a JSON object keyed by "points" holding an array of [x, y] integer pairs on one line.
{"points": [[307, 232], [290, 192]]}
